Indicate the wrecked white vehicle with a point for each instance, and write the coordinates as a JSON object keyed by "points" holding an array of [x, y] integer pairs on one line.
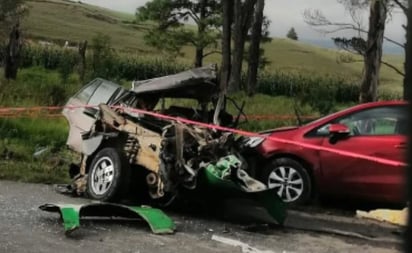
{"points": [[122, 147]]}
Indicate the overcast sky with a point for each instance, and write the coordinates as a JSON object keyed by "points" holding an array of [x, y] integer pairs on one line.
{"points": [[284, 15]]}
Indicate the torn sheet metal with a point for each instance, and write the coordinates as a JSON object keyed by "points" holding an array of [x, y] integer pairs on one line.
{"points": [[197, 83], [158, 221], [230, 181]]}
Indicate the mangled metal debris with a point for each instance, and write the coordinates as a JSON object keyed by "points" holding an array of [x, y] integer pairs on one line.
{"points": [[121, 147], [71, 215], [228, 180]]}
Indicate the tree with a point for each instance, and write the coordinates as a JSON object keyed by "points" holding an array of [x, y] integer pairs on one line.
{"points": [[11, 12], [242, 21], [12, 55], [254, 49], [82, 59], [407, 85], [373, 52], [370, 48], [243, 14], [292, 34], [171, 35], [227, 19]]}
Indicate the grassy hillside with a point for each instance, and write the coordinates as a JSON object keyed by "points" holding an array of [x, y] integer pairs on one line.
{"points": [[63, 20]]}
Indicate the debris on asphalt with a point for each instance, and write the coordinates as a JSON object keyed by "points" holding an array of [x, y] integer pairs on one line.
{"points": [[246, 248], [397, 217], [157, 220]]}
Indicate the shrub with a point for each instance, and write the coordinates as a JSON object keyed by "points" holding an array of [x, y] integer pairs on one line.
{"points": [[66, 64], [102, 56]]}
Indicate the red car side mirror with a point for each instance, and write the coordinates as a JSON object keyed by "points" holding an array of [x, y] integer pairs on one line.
{"points": [[339, 129], [337, 132]]}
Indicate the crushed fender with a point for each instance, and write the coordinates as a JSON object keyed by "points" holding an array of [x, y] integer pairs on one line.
{"points": [[158, 221], [229, 181]]}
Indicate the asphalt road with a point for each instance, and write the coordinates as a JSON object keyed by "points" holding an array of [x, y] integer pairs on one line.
{"points": [[25, 228]]}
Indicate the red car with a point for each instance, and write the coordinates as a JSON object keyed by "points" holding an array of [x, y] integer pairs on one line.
{"points": [[375, 129]]}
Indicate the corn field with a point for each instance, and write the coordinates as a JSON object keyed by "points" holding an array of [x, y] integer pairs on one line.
{"points": [[306, 88]]}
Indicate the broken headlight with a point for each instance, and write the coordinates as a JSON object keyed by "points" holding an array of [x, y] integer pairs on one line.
{"points": [[253, 142]]}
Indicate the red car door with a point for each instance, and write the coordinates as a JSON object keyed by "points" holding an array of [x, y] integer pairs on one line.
{"points": [[377, 132]]}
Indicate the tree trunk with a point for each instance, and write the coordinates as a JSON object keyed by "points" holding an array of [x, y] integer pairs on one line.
{"points": [[407, 85], [200, 30], [227, 7], [242, 17], [12, 56], [237, 43], [373, 54], [199, 57], [254, 49], [82, 54]]}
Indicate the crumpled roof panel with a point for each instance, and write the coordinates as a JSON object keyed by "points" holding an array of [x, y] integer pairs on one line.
{"points": [[196, 83]]}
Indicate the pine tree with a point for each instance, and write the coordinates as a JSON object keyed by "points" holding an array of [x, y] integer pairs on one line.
{"points": [[292, 34]]}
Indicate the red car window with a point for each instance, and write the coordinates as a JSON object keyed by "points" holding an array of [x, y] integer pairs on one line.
{"points": [[385, 120]]}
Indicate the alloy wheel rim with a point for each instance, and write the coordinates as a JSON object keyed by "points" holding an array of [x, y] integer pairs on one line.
{"points": [[102, 175], [287, 181]]}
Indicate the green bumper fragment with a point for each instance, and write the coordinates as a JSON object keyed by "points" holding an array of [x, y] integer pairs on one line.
{"points": [[223, 180], [158, 221]]}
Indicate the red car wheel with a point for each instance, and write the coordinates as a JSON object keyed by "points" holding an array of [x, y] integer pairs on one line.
{"points": [[290, 179]]}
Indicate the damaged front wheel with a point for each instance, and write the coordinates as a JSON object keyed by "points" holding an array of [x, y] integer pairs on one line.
{"points": [[109, 175]]}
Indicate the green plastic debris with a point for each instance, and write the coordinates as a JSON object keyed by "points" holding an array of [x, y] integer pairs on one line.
{"points": [[225, 179], [158, 221], [70, 216], [222, 167]]}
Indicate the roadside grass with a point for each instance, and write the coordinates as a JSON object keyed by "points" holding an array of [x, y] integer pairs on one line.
{"points": [[21, 138], [33, 150], [37, 86]]}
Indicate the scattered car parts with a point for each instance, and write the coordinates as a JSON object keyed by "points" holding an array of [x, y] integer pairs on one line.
{"points": [[71, 215]]}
